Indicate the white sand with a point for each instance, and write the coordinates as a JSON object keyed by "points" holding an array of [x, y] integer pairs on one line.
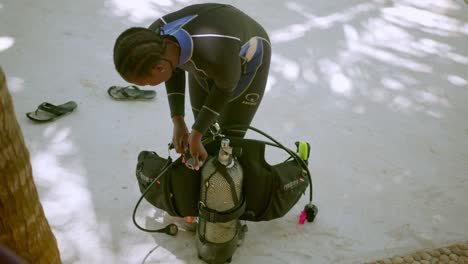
{"points": [[379, 89]]}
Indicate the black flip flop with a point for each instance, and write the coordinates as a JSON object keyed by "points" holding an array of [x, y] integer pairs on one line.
{"points": [[46, 112], [130, 93]]}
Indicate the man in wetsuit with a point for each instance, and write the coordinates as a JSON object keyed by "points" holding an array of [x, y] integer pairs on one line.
{"points": [[226, 54]]}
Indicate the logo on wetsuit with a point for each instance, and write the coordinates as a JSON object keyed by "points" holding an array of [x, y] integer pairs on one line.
{"points": [[251, 99]]}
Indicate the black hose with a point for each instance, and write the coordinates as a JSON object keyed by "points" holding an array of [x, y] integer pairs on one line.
{"points": [[170, 229], [279, 145]]}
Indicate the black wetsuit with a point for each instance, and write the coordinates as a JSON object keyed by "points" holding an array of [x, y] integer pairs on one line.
{"points": [[227, 55]]}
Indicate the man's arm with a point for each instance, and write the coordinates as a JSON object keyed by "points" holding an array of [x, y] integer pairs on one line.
{"points": [[175, 88]]}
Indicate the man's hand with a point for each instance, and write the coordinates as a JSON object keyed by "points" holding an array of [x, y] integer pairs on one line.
{"points": [[197, 150], [180, 134]]}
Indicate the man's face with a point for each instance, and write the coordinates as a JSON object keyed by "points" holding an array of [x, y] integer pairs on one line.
{"points": [[159, 73]]}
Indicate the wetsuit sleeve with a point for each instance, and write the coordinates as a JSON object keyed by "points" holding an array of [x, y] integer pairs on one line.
{"points": [[222, 63], [175, 86]]}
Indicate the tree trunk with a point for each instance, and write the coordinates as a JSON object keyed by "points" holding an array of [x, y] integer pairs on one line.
{"points": [[23, 226]]}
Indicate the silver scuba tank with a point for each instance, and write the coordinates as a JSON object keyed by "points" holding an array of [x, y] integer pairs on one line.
{"points": [[221, 204]]}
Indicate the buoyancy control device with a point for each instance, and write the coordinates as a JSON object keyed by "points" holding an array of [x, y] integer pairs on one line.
{"points": [[262, 191], [221, 204]]}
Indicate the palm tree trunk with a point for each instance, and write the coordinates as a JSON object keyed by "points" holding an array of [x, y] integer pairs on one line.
{"points": [[23, 226]]}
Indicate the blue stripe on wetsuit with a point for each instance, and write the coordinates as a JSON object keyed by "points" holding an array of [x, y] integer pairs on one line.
{"points": [[250, 69], [174, 29]]}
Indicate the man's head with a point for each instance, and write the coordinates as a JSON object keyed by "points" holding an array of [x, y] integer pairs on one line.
{"points": [[140, 57]]}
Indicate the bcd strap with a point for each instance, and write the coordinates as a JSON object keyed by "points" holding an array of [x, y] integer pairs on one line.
{"points": [[214, 216], [222, 169]]}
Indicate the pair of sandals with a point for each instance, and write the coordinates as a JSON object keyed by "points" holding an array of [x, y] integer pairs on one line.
{"points": [[46, 112]]}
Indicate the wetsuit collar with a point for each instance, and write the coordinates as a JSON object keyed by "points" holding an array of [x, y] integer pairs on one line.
{"points": [[175, 29]]}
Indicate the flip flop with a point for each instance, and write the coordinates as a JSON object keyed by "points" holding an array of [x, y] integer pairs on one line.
{"points": [[130, 93], [47, 112]]}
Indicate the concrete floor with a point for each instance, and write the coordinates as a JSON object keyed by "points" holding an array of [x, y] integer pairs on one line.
{"points": [[379, 88]]}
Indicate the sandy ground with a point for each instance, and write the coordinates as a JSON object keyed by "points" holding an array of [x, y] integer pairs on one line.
{"points": [[379, 89]]}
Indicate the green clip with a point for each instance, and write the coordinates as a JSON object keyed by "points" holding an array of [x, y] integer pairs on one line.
{"points": [[303, 149]]}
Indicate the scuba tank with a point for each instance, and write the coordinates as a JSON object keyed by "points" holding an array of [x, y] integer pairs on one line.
{"points": [[221, 204]]}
